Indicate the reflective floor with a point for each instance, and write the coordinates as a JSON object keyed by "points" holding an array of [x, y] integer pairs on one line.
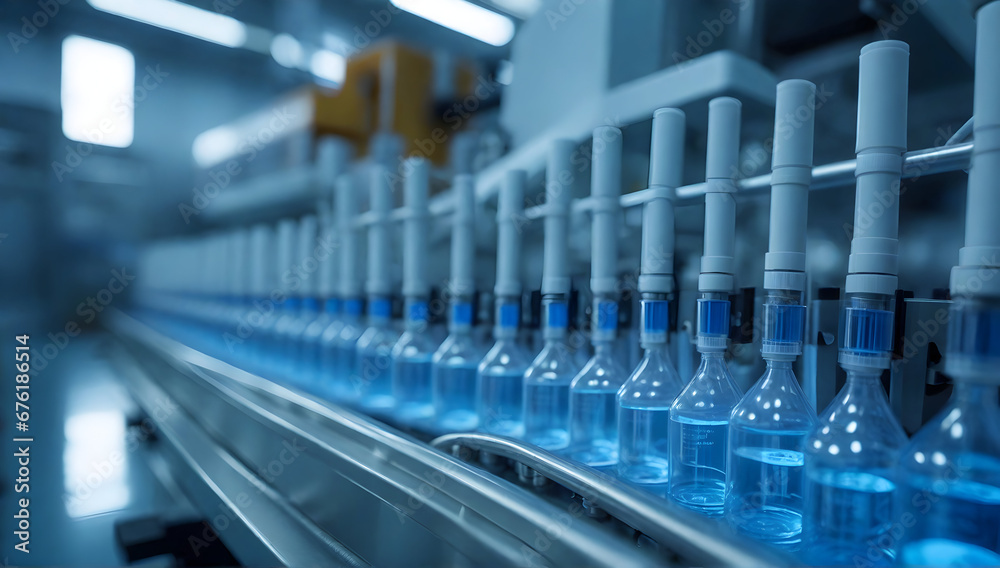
{"points": [[89, 468]]}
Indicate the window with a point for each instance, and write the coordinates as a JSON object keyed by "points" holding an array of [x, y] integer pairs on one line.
{"points": [[98, 83]]}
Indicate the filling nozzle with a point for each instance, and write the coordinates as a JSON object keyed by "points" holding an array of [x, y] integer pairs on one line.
{"points": [[717, 265], [379, 286], [605, 194], [867, 317], [349, 283], [508, 285], [973, 353], [306, 264], [656, 267], [785, 261], [285, 252], [463, 251], [415, 230], [555, 270], [979, 260]]}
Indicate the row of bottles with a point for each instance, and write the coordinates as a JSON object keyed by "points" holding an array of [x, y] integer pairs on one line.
{"points": [[841, 487]]}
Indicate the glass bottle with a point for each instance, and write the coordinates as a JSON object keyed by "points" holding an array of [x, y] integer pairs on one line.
{"points": [[411, 366], [699, 418], [340, 340], [547, 381], [766, 433], [949, 495], [372, 377], [501, 375], [851, 454], [644, 406], [312, 340], [453, 373], [593, 394]]}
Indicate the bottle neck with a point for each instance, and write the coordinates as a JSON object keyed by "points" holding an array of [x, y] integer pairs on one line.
{"points": [[713, 363], [778, 364]]}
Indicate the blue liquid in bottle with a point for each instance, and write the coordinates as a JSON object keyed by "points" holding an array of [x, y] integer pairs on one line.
{"points": [[593, 395], [699, 419], [950, 474], [411, 367], [453, 374], [767, 430], [372, 377], [337, 358], [312, 341], [852, 452], [593, 402], [547, 382], [644, 406], [849, 478], [501, 377]]}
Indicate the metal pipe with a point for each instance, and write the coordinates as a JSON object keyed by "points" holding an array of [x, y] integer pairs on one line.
{"points": [[696, 540]]}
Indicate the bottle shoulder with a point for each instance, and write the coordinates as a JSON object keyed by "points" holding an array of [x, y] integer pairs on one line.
{"points": [[458, 350], [775, 402], [553, 363], [856, 433], [957, 443], [378, 337], [652, 383], [711, 392], [414, 345], [505, 356], [600, 373]]}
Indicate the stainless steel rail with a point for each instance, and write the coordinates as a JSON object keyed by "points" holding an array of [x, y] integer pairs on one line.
{"points": [[696, 540], [389, 499]]}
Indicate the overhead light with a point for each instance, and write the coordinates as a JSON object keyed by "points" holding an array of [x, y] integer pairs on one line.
{"points": [[215, 145], [464, 17], [328, 66], [179, 17], [523, 9], [97, 92], [286, 50]]}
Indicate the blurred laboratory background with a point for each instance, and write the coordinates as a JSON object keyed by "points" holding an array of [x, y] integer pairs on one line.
{"points": [[259, 252]]}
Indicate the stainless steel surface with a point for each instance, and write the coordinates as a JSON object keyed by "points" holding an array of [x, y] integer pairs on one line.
{"points": [[694, 539], [251, 518], [390, 499]]}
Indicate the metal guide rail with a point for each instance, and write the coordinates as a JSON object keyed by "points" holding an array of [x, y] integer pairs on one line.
{"points": [[331, 486]]}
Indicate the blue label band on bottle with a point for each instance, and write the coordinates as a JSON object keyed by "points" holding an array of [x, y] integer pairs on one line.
{"points": [[380, 307], [713, 317], [353, 307], [655, 316], [784, 323], [867, 330], [332, 305], [556, 314], [510, 315], [310, 304], [607, 316], [417, 312], [461, 314], [292, 303]]}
